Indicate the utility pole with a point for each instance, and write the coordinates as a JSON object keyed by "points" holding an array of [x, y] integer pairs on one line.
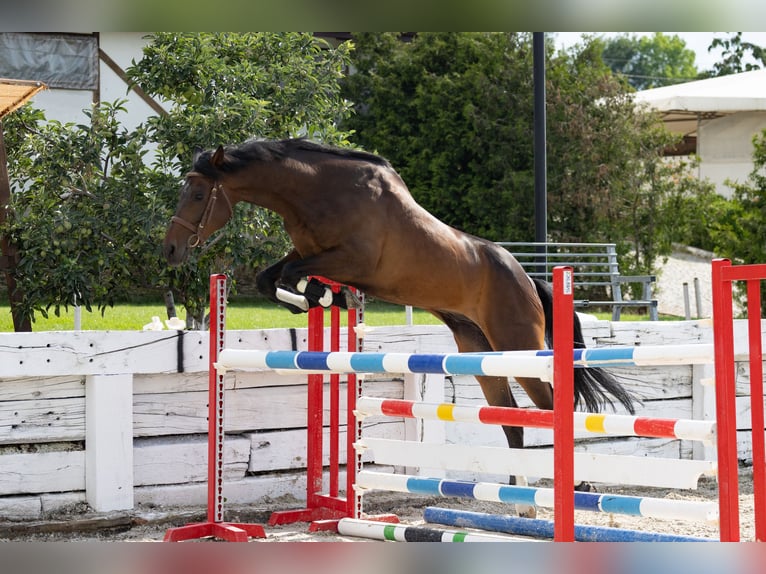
{"points": [[541, 161]]}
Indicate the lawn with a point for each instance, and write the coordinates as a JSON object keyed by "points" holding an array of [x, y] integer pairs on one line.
{"points": [[244, 314], [241, 314]]}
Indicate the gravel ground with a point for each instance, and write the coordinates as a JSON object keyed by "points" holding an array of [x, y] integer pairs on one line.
{"points": [[684, 266], [150, 526]]}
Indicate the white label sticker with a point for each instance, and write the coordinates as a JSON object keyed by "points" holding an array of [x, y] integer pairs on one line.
{"points": [[568, 282]]}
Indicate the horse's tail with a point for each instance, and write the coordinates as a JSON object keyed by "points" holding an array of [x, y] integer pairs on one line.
{"points": [[592, 386]]}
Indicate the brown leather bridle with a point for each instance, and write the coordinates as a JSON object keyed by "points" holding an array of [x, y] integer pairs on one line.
{"points": [[197, 230]]}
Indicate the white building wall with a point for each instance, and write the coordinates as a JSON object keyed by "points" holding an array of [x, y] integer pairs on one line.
{"points": [[725, 147], [68, 105]]}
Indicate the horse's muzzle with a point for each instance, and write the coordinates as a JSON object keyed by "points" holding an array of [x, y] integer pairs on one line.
{"points": [[175, 254]]}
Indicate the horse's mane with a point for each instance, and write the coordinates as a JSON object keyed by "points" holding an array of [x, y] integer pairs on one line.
{"points": [[241, 155]]}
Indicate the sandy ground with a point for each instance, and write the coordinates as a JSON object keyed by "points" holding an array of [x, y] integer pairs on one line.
{"points": [[151, 525]]}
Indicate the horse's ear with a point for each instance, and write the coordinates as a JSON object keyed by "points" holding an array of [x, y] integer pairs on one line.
{"points": [[197, 152], [217, 158]]}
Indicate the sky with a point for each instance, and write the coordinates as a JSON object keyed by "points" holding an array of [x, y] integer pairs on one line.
{"points": [[697, 41]]}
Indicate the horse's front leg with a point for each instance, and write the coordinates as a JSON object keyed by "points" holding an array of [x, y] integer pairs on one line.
{"points": [[298, 285], [270, 283]]}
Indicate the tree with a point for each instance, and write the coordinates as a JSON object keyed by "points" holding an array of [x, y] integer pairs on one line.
{"points": [[733, 58], [449, 110], [453, 112], [736, 229], [81, 209], [91, 204], [228, 87], [649, 61]]}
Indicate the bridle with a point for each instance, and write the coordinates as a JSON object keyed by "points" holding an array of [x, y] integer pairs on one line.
{"points": [[197, 230]]}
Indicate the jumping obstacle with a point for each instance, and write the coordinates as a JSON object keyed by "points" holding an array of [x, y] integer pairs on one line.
{"points": [[401, 533], [537, 528], [560, 369]]}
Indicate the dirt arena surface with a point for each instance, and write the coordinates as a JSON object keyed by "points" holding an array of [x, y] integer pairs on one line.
{"points": [[150, 525]]}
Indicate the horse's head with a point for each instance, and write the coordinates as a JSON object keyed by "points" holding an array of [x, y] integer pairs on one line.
{"points": [[203, 208]]}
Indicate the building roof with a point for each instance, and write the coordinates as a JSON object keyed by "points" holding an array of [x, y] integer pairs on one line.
{"points": [[15, 93], [681, 105]]}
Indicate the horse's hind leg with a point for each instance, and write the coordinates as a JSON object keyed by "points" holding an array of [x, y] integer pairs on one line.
{"points": [[496, 390]]}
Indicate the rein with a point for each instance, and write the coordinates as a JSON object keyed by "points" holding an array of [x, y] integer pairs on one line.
{"points": [[197, 230]]}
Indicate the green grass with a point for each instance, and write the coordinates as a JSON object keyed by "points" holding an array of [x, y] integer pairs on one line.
{"points": [[241, 314], [245, 314]]}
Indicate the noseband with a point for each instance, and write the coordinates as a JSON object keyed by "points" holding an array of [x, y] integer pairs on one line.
{"points": [[197, 230]]}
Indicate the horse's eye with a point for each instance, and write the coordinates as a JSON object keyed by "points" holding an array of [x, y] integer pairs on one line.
{"points": [[199, 196]]}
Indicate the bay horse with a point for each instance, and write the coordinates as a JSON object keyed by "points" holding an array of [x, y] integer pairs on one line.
{"points": [[352, 219]]}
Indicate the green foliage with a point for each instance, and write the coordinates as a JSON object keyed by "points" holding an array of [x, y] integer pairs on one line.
{"points": [[227, 88], [92, 201], [448, 110], [734, 59], [454, 114], [649, 61], [81, 209], [737, 231]]}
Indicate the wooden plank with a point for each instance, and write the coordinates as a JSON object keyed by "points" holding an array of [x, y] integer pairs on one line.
{"points": [[96, 352], [57, 471], [53, 387], [281, 450], [54, 353], [21, 507], [660, 332], [245, 409], [147, 384], [648, 384], [43, 420], [248, 490], [177, 460]]}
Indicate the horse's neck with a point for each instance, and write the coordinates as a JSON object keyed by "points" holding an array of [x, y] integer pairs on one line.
{"points": [[276, 187]]}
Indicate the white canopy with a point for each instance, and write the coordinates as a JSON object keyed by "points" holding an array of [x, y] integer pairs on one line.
{"points": [[681, 105]]}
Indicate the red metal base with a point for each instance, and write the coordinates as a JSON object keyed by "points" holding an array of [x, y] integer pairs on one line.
{"points": [[311, 515], [230, 532]]}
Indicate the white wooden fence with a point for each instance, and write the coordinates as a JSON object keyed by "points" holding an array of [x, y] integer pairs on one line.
{"points": [[119, 419]]}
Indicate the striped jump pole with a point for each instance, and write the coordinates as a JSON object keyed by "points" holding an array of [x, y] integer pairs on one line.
{"points": [[403, 533], [536, 364], [522, 364], [544, 528], [596, 423], [723, 276], [647, 507]]}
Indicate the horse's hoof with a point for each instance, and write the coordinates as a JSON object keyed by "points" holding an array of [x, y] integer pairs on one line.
{"points": [[585, 487], [524, 511], [350, 300]]}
